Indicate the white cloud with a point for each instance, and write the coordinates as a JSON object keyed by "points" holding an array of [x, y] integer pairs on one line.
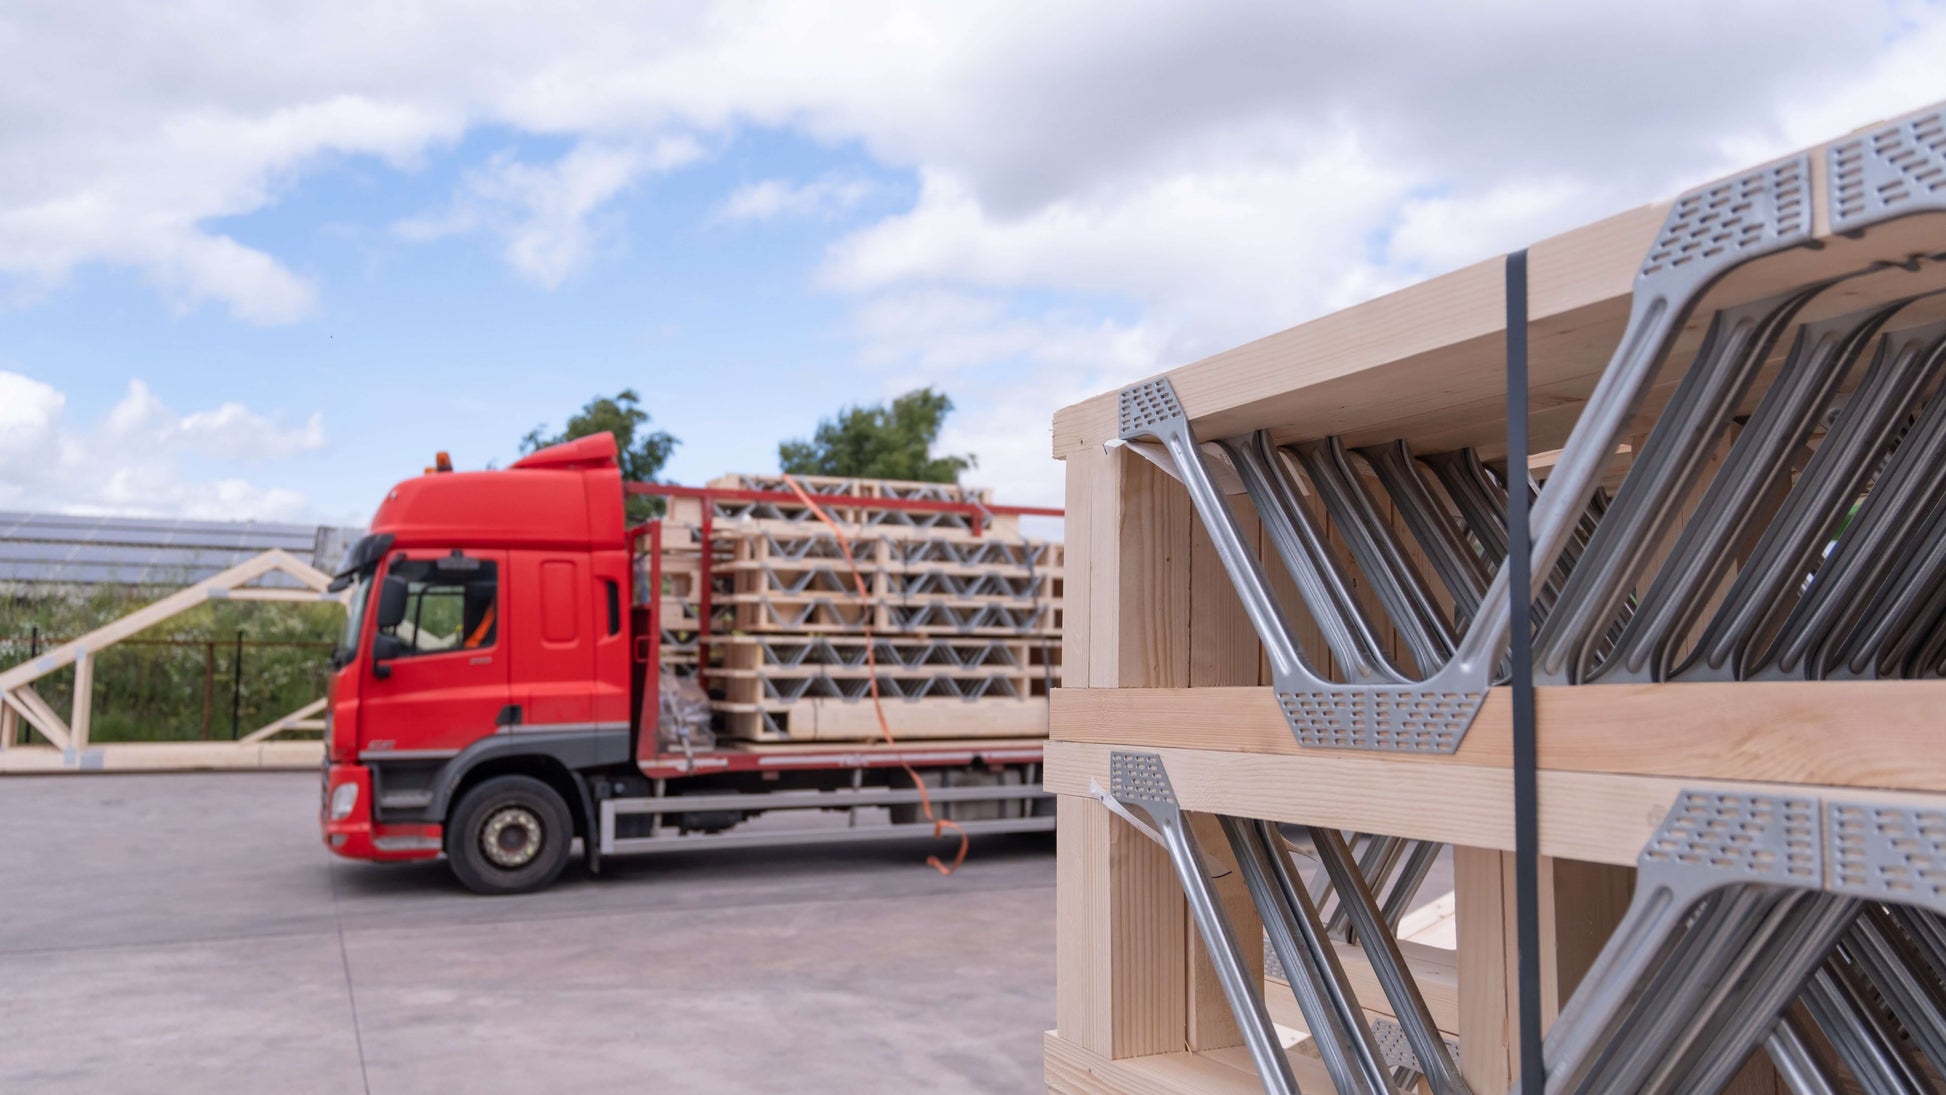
{"points": [[132, 460], [135, 185], [1431, 234], [234, 432], [1221, 253], [28, 409], [542, 213], [827, 196], [926, 336], [1067, 123]]}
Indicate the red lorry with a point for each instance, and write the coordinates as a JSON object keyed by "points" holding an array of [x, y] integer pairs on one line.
{"points": [[496, 691]]}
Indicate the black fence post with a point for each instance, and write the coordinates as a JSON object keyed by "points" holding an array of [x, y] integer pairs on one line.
{"points": [[236, 688], [209, 684]]}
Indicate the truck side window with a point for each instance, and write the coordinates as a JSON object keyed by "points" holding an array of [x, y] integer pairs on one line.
{"points": [[448, 610]]}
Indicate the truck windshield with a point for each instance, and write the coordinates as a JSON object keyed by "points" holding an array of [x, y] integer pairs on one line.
{"points": [[347, 648]]}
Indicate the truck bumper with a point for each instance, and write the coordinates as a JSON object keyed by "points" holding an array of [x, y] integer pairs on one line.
{"points": [[354, 835]]}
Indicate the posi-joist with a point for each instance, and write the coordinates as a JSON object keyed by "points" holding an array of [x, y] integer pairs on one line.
{"points": [[1287, 645]]}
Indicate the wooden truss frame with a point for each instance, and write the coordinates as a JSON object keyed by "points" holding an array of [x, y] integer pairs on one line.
{"points": [[22, 706]]}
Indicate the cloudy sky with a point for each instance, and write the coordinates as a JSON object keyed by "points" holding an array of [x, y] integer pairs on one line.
{"points": [[261, 260]]}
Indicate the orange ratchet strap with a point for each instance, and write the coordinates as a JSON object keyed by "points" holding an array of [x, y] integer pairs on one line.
{"points": [[939, 824]]}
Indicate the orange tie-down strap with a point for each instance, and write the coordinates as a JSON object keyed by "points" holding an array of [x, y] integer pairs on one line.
{"points": [[939, 824], [481, 630]]}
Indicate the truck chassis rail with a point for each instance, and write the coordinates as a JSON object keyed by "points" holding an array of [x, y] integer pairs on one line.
{"points": [[658, 807]]}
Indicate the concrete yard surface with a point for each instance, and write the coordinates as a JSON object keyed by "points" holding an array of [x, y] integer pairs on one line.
{"points": [[188, 933]]}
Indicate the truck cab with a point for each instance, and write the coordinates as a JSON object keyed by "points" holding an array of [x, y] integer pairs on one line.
{"points": [[486, 645]]}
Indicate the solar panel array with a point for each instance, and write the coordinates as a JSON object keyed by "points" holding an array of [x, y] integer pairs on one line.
{"points": [[69, 550]]}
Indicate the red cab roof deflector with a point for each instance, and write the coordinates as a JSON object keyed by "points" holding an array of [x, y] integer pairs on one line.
{"points": [[597, 450]]}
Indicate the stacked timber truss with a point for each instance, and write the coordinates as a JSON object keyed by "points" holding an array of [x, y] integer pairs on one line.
{"points": [[957, 627], [1289, 634]]}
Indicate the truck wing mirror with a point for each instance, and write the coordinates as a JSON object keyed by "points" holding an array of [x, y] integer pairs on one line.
{"points": [[391, 602], [384, 649]]}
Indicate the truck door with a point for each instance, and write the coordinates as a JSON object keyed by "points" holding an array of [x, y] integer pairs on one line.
{"points": [[438, 676], [554, 682]]}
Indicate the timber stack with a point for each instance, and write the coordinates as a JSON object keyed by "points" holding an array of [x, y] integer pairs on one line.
{"points": [[958, 625], [1289, 648]]}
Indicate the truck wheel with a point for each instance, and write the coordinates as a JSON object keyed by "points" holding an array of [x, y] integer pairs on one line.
{"points": [[511, 834]]}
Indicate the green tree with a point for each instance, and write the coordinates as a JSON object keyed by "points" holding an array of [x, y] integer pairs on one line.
{"points": [[643, 452], [884, 442]]}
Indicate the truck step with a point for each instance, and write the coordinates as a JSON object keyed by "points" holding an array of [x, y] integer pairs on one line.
{"points": [[405, 800]]}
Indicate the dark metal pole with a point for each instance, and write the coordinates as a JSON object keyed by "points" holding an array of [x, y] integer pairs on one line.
{"points": [[236, 687], [209, 684], [34, 644], [1527, 919]]}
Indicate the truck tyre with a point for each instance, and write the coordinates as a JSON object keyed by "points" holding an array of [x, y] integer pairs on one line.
{"points": [[510, 834]]}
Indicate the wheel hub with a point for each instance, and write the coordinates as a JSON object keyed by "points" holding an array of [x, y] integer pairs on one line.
{"points": [[511, 837]]}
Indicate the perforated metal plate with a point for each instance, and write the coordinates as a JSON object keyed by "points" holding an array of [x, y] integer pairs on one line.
{"points": [[1891, 171], [1397, 1050], [1711, 227], [1139, 778], [1145, 405], [1887, 853], [1400, 720], [1273, 965], [1734, 837]]}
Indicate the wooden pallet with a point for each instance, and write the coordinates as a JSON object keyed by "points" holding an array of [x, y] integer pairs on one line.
{"points": [[1158, 656]]}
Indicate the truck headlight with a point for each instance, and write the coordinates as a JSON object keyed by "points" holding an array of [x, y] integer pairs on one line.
{"points": [[344, 798]]}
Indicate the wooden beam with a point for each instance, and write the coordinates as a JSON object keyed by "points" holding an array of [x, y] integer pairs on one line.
{"points": [[1595, 816], [317, 580], [824, 718], [1486, 964], [173, 756], [1435, 969], [291, 596], [82, 707], [31, 707], [1073, 1069], [1580, 906], [1082, 470], [1139, 633], [1848, 733], [1585, 903], [292, 721], [1119, 941], [1124, 940]]}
